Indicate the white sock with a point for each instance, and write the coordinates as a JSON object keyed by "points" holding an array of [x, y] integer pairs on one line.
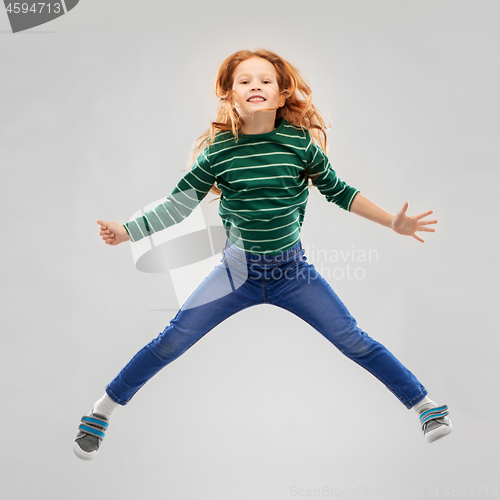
{"points": [[105, 406], [424, 404]]}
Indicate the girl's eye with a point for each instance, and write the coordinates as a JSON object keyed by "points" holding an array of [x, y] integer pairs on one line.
{"points": [[265, 81]]}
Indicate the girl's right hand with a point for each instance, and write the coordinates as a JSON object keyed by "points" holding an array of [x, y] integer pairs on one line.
{"points": [[112, 233]]}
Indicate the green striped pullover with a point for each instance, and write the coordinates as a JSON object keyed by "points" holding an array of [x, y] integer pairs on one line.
{"points": [[263, 200]]}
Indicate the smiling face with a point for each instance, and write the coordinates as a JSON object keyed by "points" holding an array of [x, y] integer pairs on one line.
{"points": [[256, 87]]}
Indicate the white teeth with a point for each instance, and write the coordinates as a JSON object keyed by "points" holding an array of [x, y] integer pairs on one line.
{"points": [[255, 99]]}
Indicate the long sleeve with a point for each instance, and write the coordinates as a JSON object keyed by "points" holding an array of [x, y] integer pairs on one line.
{"points": [[335, 190], [183, 199]]}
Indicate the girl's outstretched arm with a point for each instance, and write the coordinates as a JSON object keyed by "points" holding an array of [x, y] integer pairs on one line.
{"points": [[401, 223], [112, 233]]}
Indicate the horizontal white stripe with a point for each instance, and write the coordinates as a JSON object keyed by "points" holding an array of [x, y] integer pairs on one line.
{"points": [[267, 197], [264, 220], [262, 166], [261, 178], [256, 155], [293, 137], [260, 209], [296, 220], [201, 180], [288, 145], [292, 186], [239, 145], [299, 137], [196, 189]]}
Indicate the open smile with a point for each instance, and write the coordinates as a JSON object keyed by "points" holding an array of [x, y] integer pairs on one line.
{"points": [[256, 99]]}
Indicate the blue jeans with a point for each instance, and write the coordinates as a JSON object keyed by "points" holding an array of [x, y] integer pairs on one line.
{"points": [[286, 280]]}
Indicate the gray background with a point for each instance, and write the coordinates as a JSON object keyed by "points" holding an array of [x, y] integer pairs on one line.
{"points": [[99, 110]]}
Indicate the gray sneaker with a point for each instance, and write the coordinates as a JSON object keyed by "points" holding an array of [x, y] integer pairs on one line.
{"points": [[435, 423], [89, 436]]}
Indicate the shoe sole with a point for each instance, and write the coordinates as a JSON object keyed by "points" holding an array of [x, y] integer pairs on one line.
{"points": [[83, 455], [438, 433]]}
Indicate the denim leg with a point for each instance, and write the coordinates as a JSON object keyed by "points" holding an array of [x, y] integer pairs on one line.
{"points": [[307, 294], [215, 299]]}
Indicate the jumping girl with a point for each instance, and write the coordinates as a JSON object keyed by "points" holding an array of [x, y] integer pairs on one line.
{"points": [[267, 145]]}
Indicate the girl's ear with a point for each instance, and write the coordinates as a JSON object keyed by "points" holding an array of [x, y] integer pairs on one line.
{"points": [[284, 96]]}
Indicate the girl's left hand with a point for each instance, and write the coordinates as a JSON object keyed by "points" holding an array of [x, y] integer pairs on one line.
{"points": [[408, 225]]}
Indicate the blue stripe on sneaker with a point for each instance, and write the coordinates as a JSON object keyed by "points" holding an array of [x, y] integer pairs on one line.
{"points": [[433, 410], [428, 414], [92, 431], [95, 421], [434, 416]]}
